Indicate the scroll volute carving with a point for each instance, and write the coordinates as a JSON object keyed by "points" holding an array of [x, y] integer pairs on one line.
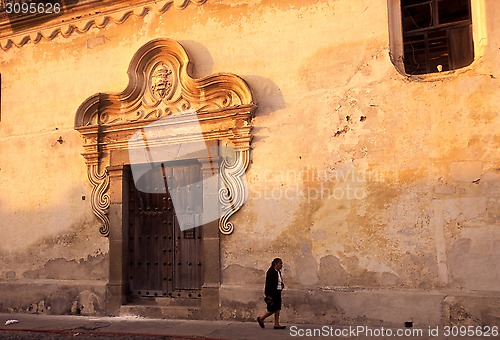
{"points": [[161, 90]]}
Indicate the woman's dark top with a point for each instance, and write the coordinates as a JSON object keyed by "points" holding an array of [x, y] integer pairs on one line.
{"points": [[272, 290], [271, 282]]}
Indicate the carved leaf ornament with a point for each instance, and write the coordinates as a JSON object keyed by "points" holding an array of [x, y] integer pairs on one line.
{"points": [[183, 110]]}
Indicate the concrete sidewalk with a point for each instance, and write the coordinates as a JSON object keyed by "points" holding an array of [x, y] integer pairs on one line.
{"points": [[177, 329], [29, 326]]}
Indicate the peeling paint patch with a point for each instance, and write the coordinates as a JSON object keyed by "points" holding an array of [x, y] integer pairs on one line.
{"points": [[94, 267], [236, 273], [53, 297], [97, 41], [345, 129]]}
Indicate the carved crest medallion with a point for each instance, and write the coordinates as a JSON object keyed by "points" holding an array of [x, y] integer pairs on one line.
{"points": [[161, 81]]}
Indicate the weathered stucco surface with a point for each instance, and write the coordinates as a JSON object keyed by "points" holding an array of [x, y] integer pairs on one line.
{"points": [[380, 192]]}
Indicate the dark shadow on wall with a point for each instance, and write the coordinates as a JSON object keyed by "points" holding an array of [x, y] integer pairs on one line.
{"points": [[269, 99], [266, 93], [201, 59]]}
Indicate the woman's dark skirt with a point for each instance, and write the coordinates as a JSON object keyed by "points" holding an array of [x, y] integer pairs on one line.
{"points": [[275, 304]]}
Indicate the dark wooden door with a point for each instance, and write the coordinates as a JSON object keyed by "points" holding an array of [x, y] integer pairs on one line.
{"points": [[165, 239]]}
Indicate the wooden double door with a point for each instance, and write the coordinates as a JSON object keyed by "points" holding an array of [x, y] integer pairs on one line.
{"points": [[165, 236]]}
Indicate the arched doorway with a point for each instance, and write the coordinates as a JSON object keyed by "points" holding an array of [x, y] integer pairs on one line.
{"points": [[165, 122]]}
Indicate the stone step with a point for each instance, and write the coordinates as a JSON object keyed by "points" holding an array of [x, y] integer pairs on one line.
{"points": [[165, 301], [161, 312]]}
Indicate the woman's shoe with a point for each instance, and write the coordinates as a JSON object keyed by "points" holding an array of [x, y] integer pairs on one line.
{"points": [[261, 323], [279, 327]]}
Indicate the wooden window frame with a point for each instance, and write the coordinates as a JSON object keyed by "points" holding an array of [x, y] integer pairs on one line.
{"points": [[439, 46], [479, 38]]}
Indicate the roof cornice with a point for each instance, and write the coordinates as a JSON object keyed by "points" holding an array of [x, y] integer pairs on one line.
{"points": [[81, 18]]}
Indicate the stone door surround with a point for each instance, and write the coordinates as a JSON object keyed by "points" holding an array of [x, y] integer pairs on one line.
{"points": [[215, 110]]}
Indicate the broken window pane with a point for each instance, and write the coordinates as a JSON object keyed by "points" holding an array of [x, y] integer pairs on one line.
{"points": [[437, 35], [417, 17], [438, 51], [453, 11]]}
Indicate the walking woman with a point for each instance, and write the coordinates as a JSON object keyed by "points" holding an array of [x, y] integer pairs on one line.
{"points": [[274, 286]]}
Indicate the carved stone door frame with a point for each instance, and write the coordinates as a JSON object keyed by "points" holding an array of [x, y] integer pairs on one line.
{"points": [[215, 111]]}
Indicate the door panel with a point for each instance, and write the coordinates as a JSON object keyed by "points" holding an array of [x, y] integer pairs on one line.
{"points": [[188, 238], [188, 255], [162, 257]]}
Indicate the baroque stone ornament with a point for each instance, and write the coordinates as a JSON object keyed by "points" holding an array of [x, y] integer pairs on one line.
{"points": [[80, 18], [99, 198], [163, 102], [233, 194]]}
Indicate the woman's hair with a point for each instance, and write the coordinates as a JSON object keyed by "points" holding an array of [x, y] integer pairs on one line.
{"points": [[276, 261]]}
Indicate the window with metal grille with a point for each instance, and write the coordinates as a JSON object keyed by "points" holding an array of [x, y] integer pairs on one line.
{"points": [[437, 35]]}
